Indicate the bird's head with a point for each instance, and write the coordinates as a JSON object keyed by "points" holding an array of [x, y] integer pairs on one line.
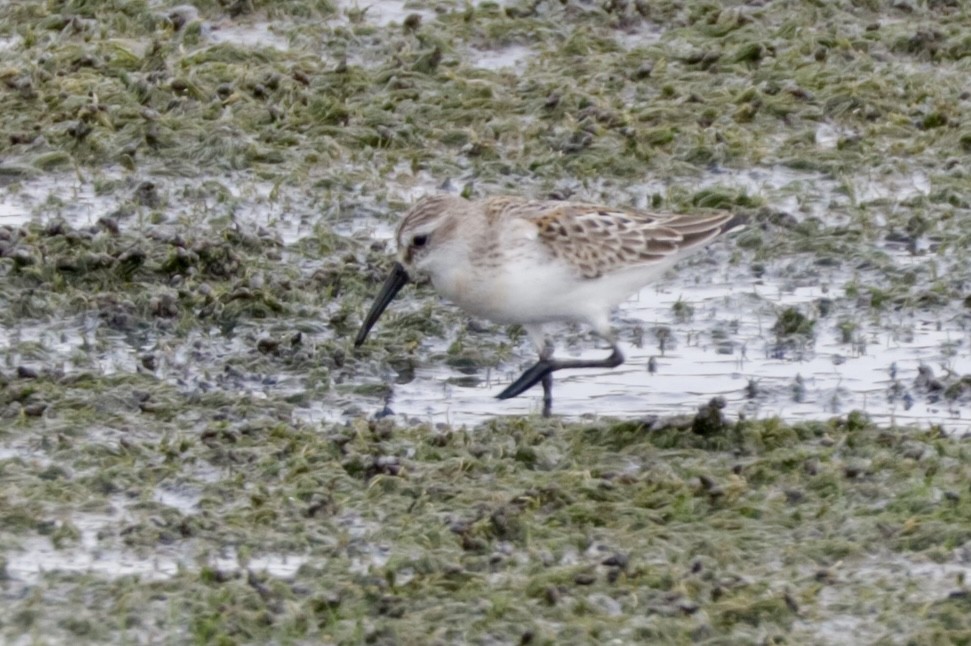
{"points": [[423, 238]]}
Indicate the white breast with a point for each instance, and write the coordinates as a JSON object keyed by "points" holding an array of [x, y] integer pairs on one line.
{"points": [[529, 285]]}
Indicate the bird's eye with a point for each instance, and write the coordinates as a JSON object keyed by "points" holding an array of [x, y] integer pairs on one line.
{"points": [[419, 241]]}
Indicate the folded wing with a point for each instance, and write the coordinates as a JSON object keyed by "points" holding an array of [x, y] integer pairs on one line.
{"points": [[598, 240]]}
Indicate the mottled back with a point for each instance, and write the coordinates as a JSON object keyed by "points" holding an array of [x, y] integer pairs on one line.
{"points": [[598, 240]]}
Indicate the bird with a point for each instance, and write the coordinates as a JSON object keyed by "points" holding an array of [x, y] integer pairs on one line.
{"points": [[530, 262]]}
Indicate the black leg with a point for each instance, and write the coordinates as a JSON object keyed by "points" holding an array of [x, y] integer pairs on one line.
{"points": [[547, 382], [545, 367], [545, 355]]}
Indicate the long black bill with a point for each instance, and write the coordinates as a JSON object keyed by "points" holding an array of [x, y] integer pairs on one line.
{"points": [[393, 285]]}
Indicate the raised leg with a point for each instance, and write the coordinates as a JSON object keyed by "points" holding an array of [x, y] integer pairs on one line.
{"points": [[542, 372]]}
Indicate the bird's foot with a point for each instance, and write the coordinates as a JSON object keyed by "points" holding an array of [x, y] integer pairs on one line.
{"points": [[533, 375]]}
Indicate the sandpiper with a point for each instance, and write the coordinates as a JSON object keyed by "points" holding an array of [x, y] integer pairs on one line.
{"points": [[533, 262]]}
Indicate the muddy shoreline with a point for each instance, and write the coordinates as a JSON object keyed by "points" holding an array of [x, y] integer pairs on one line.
{"points": [[195, 207]]}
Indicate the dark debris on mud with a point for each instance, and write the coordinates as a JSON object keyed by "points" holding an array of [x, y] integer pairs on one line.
{"points": [[160, 476]]}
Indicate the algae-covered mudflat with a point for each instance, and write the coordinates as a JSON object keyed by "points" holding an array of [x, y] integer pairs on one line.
{"points": [[196, 204]]}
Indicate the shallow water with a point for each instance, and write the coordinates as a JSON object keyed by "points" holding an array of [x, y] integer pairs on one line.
{"points": [[89, 555], [918, 581], [140, 522], [835, 377], [875, 372]]}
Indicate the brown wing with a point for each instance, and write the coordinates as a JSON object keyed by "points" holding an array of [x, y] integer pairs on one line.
{"points": [[598, 240]]}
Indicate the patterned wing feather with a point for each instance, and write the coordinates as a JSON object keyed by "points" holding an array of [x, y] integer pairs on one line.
{"points": [[598, 240]]}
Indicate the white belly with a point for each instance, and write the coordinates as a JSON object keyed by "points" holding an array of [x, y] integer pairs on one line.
{"points": [[528, 292]]}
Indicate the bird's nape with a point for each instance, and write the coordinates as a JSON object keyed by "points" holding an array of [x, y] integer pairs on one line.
{"points": [[397, 279]]}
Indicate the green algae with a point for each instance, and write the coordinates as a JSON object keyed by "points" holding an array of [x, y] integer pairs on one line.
{"points": [[667, 530], [515, 527]]}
